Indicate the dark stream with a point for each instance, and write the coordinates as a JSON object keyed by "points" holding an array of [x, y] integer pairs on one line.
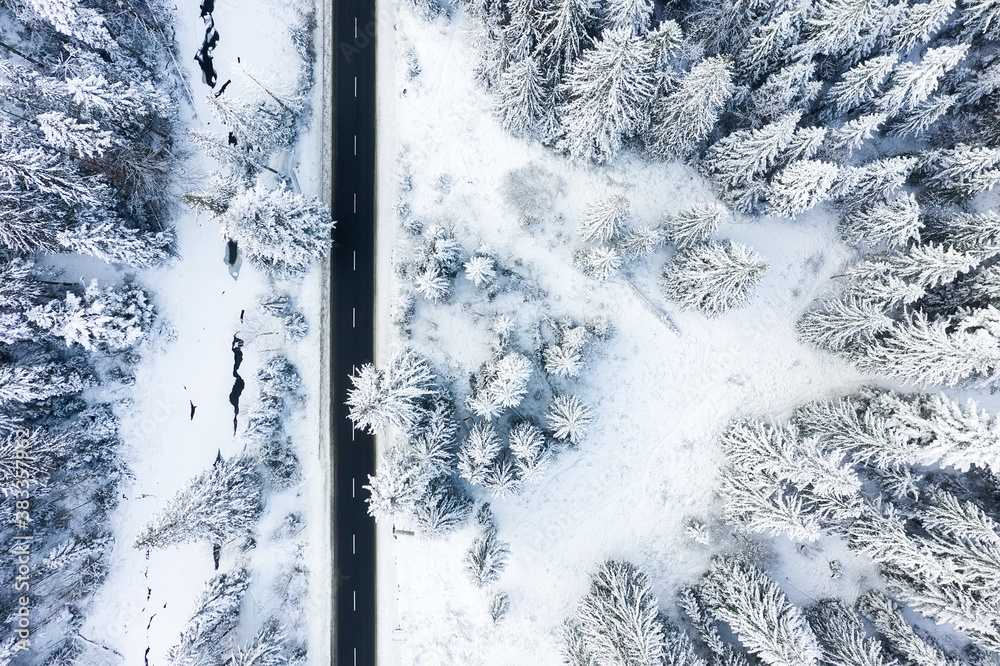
{"points": [[239, 384], [204, 55]]}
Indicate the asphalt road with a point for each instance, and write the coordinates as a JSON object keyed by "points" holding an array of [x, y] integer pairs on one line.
{"points": [[352, 344]]}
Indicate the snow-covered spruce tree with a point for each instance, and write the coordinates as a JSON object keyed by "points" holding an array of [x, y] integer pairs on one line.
{"points": [[503, 476], [894, 223], [906, 276], [760, 502], [889, 621], [573, 648], [219, 193], [842, 636], [951, 351], [36, 169], [65, 133], [739, 158], [631, 15], [912, 83], [243, 164], [800, 186], [739, 594], [207, 637], [713, 277], [27, 383], [860, 84], [117, 244], [281, 230], [836, 27], [619, 618], [952, 434], [486, 558], [256, 125], [792, 88], [964, 171], [565, 25], [869, 183], [839, 323], [686, 115], [562, 360], [480, 269], [501, 383], [600, 262], [766, 46], [925, 114], [400, 483], [918, 23], [394, 396], [442, 508], [640, 241], [970, 231], [604, 219], [569, 418], [980, 17], [522, 98], [532, 453], [107, 320], [479, 451], [222, 502], [693, 225], [266, 648], [499, 605], [608, 95], [690, 601], [73, 20], [852, 134]]}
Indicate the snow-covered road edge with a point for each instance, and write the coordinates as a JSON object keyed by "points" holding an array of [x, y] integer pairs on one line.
{"points": [[322, 591], [385, 159]]}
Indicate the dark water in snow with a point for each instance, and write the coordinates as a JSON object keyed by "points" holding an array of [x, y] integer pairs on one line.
{"points": [[204, 55], [239, 384]]}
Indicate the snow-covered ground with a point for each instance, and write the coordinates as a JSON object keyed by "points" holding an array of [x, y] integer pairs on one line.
{"points": [[140, 611], [650, 461]]}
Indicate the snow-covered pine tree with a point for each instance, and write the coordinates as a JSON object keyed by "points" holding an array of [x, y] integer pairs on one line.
{"points": [[889, 622], [222, 502], [65, 133], [480, 269], [631, 15], [479, 451], [117, 244], [74, 20], [842, 636], [800, 186], [912, 83], [278, 229], [918, 23], [745, 155], [608, 95], [601, 262], [869, 183], [894, 223], [604, 219], [839, 323], [923, 115], [766, 47], [108, 320], [964, 171], [569, 418], [980, 17], [393, 396], [256, 125], [836, 27], [713, 277], [400, 483], [640, 241], [27, 383], [861, 84], [739, 594], [207, 636], [532, 454], [486, 558], [686, 115], [855, 132], [502, 383], [693, 225], [792, 88], [523, 99], [442, 508], [565, 25], [219, 193], [950, 351], [619, 618]]}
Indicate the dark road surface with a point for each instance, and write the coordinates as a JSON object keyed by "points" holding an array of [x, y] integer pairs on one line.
{"points": [[352, 344]]}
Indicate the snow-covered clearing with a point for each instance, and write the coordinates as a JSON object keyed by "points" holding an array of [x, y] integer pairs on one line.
{"points": [[650, 461]]}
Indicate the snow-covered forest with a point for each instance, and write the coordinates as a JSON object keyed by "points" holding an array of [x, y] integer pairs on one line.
{"points": [[110, 344], [695, 333]]}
